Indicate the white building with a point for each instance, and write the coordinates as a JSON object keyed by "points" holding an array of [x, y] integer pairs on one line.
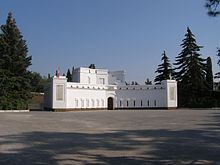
{"points": [[101, 89]]}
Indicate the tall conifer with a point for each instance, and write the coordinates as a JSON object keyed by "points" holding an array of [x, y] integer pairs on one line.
{"points": [[190, 71], [69, 76], [164, 70], [217, 75], [14, 61], [209, 74]]}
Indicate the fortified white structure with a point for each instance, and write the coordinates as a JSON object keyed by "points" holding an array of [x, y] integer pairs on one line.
{"points": [[102, 89]]}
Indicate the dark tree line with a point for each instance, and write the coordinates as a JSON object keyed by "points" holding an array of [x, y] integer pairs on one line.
{"points": [[217, 75], [192, 72], [38, 82]]}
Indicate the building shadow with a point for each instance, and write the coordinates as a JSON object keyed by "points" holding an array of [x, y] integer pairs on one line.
{"points": [[133, 147]]}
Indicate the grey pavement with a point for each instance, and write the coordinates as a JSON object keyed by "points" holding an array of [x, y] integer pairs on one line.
{"points": [[134, 137]]}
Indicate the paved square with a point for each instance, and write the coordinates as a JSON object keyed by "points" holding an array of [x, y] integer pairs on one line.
{"points": [[188, 137]]}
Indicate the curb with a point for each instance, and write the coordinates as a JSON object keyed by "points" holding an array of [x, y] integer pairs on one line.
{"points": [[15, 110]]}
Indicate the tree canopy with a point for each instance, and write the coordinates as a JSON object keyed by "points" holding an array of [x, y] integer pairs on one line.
{"points": [[190, 71], [14, 61], [217, 75], [92, 66], [209, 74], [69, 76], [213, 7], [164, 70]]}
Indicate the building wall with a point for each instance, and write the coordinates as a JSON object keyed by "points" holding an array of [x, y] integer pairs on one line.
{"points": [[116, 77], [94, 95], [59, 92], [171, 93], [90, 76], [141, 96], [86, 96]]}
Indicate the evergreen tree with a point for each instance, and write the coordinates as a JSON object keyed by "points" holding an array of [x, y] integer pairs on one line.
{"points": [[35, 81], [92, 66], [68, 76], [14, 61], [148, 82], [209, 74], [164, 70], [38, 82], [190, 72], [212, 6], [217, 75]]}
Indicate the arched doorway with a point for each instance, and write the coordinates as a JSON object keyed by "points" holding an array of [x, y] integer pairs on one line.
{"points": [[110, 103]]}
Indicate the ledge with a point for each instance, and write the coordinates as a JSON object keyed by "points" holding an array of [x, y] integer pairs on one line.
{"points": [[15, 110]]}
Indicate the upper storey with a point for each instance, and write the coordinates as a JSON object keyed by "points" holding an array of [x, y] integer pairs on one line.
{"points": [[97, 76]]}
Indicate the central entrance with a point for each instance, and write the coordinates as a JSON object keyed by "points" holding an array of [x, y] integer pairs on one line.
{"points": [[110, 103]]}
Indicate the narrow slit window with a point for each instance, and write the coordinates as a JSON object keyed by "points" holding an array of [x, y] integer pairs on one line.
{"points": [[93, 103], [82, 103], [87, 102], [76, 103], [97, 101], [103, 103]]}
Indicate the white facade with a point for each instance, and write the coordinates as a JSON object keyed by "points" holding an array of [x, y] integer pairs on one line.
{"points": [[100, 89]]}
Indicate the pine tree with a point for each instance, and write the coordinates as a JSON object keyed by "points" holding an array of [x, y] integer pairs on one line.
{"points": [[217, 75], [209, 74], [164, 70], [14, 61], [148, 82], [190, 71], [212, 6], [92, 66], [68, 76]]}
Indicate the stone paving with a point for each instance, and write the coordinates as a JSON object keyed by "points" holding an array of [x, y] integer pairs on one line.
{"points": [[148, 137]]}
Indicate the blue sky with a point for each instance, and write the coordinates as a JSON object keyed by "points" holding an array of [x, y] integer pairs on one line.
{"points": [[125, 35]]}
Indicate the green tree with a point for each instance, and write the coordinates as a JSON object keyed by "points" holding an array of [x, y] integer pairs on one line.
{"points": [[69, 76], [92, 66], [35, 80], [38, 82], [164, 70], [212, 6], [209, 74], [14, 61], [217, 75], [148, 82], [190, 72]]}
